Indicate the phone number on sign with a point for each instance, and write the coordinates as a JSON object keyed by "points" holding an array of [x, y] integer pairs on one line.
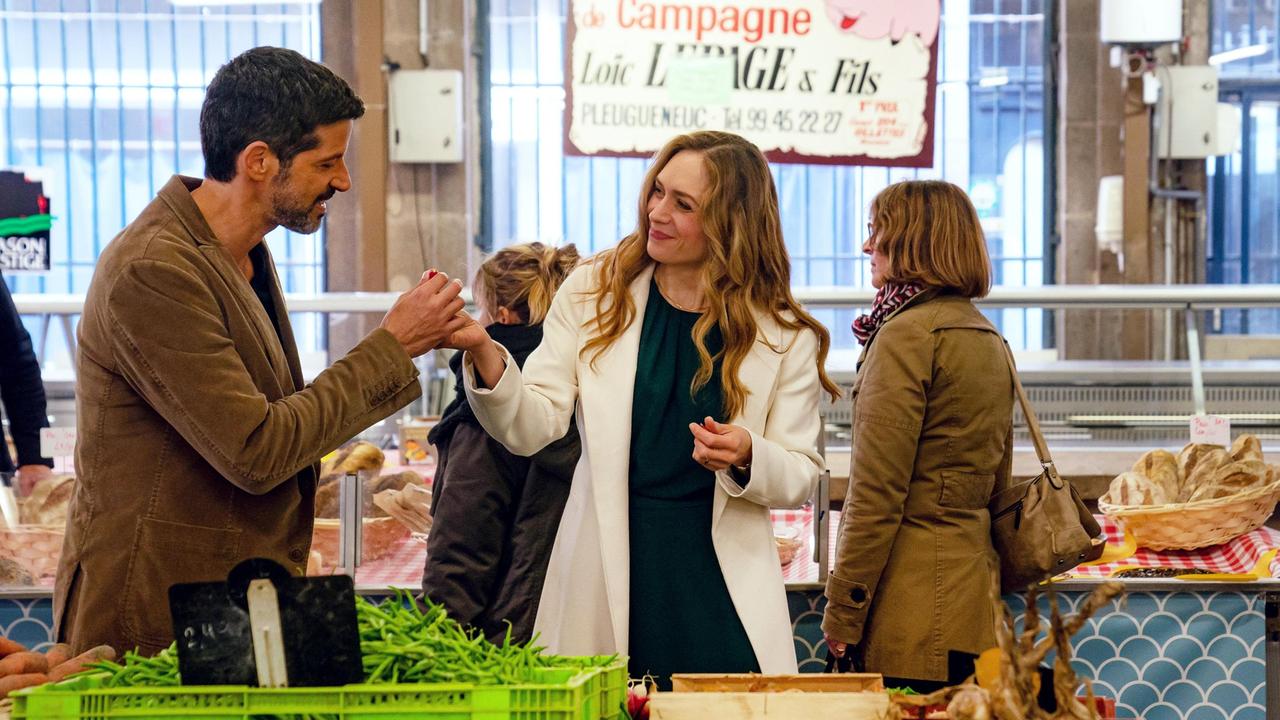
{"points": [[801, 121]]}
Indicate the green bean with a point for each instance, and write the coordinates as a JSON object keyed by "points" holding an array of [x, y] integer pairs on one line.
{"points": [[402, 640]]}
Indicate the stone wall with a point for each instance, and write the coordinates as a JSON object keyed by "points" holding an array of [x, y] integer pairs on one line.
{"points": [[1095, 99], [399, 219]]}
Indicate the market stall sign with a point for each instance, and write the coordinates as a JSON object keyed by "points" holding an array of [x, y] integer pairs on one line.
{"points": [[848, 82], [1211, 430], [59, 442], [24, 222]]}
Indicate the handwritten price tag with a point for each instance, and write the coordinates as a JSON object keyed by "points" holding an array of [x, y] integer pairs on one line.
{"points": [[57, 442], [1211, 430]]}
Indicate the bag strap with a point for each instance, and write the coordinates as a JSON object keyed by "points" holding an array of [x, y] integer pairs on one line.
{"points": [[1033, 425]]}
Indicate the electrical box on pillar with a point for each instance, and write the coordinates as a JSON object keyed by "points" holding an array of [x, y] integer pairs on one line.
{"points": [[425, 116], [1140, 23], [1187, 112]]}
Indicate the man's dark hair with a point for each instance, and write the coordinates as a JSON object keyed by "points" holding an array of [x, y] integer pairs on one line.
{"points": [[273, 95]]}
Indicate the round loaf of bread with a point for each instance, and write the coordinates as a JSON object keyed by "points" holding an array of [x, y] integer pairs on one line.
{"points": [[1200, 469], [1193, 455], [353, 457], [1132, 488], [1231, 479], [1161, 467], [1246, 447], [48, 502]]}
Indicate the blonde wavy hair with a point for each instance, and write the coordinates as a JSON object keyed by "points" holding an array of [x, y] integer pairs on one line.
{"points": [[747, 269], [524, 279], [929, 232]]}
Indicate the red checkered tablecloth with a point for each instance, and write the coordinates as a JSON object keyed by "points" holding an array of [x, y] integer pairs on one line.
{"points": [[803, 568], [1240, 555], [403, 567]]}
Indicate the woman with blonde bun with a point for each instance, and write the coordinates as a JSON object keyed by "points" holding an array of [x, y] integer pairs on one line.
{"points": [[495, 513]]}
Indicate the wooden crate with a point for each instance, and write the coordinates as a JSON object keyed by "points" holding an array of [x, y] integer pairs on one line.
{"points": [[773, 697], [751, 682]]}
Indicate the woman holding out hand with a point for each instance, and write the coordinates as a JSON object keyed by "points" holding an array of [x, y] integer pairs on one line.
{"points": [[695, 378]]}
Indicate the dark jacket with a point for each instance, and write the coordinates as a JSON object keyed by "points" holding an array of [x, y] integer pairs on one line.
{"points": [[197, 438], [21, 389], [495, 514], [932, 430]]}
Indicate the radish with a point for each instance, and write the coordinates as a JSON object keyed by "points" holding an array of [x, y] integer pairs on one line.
{"points": [[638, 699]]}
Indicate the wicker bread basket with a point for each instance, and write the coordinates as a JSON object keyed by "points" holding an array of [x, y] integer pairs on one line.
{"points": [[1187, 526]]}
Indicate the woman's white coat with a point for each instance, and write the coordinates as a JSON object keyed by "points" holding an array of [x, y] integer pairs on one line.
{"points": [[585, 602]]}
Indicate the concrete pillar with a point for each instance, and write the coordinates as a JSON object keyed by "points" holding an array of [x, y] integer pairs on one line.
{"points": [[432, 210], [1090, 114], [356, 228], [1093, 143], [399, 219]]}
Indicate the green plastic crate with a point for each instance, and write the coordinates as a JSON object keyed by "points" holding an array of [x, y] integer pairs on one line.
{"points": [[613, 688], [610, 685], [559, 694]]}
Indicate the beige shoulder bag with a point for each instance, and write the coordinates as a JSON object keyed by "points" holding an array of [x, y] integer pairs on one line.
{"points": [[1040, 528]]}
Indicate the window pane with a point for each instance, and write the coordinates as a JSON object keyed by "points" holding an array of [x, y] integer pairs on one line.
{"points": [[1243, 245], [105, 96], [990, 118]]}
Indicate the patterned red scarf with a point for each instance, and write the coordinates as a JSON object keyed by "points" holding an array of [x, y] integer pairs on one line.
{"points": [[888, 299]]}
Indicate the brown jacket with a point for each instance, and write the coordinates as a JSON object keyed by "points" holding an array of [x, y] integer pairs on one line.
{"points": [[196, 436], [932, 428]]}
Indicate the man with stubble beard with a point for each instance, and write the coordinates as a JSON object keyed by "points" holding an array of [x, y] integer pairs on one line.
{"points": [[198, 437]]}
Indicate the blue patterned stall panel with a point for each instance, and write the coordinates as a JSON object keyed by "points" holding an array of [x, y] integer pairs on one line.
{"points": [[806, 625], [27, 621], [1173, 656], [1163, 656]]}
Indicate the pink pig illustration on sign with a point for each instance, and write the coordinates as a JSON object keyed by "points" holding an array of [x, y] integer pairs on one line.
{"points": [[874, 19]]}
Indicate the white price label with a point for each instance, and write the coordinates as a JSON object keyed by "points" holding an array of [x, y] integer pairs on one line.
{"points": [[57, 442], [1211, 430]]}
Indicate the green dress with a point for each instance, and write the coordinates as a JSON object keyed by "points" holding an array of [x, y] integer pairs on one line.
{"points": [[682, 618]]}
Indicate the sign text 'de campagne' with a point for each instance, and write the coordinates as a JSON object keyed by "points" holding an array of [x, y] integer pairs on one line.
{"points": [[811, 79]]}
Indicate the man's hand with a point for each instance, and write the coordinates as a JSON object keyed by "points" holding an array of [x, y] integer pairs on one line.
{"points": [[29, 475], [428, 314], [717, 446]]}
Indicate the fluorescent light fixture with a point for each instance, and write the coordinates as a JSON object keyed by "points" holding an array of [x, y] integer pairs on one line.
{"points": [[993, 81], [1239, 53]]}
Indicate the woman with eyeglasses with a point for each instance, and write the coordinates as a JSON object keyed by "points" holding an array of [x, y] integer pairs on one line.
{"points": [[932, 433]]}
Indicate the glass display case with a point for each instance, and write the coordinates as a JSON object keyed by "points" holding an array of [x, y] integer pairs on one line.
{"points": [[1098, 416]]}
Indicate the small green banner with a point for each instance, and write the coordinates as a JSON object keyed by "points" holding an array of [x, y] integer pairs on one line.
{"points": [[29, 225]]}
